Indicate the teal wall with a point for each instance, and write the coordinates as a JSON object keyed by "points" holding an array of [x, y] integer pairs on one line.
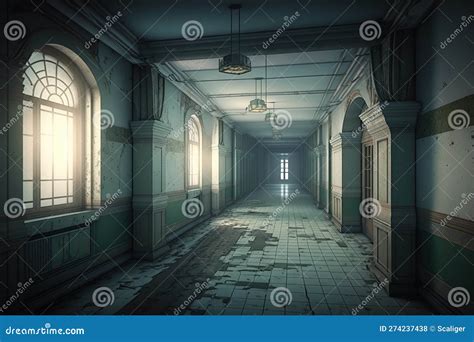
{"points": [[444, 168]]}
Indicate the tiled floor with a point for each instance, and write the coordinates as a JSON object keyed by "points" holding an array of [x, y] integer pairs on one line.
{"points": [[242, 262]]}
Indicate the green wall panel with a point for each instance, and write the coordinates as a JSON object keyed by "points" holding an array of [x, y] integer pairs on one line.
{"points": [[436, 121], [173, 212], [109, 230], [449, 261]]}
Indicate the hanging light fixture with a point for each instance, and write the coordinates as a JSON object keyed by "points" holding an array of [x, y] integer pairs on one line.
{"points": [[276, 134], [235, 62], [259, 105], [270, 114]]}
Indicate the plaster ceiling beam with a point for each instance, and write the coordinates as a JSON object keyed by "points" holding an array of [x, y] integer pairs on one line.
{"points": [[306, 39], [273, 93]]}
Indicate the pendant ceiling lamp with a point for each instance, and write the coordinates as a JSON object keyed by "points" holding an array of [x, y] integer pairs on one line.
{"points": [[270, 114], [276, 134], [235, 63], [259, 105]]}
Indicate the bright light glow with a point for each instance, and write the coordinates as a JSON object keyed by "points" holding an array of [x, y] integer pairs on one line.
{"points": [[194, 153], [283, 169]]}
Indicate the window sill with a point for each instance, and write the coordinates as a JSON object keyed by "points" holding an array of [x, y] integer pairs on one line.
{"points": [[193, 193], [51, 223]]}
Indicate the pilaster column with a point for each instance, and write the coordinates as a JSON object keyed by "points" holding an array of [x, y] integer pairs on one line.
{"points": [[149, 202], [346, 182], [218, 186], [392, 126], [320, 152]]}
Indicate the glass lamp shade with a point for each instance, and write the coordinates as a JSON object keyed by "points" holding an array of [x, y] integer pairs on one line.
{"points": [[236, 64], [257, 106], [269, 116]]}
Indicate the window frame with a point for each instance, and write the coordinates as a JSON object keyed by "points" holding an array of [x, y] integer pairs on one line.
{"points": [[284, 169], [79, 111], [194, 120]]}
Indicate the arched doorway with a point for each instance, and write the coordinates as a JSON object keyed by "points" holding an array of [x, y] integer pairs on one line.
{"points": [[346, 169]]}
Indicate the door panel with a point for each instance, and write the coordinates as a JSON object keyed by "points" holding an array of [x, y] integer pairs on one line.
{"points": [[367, 185]]}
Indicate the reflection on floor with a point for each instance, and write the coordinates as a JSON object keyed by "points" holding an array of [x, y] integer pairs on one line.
{"points": [[273, 253]]}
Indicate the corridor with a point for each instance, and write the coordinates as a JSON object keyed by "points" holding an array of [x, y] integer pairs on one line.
{"points": [[177, 157], [274, 239]]}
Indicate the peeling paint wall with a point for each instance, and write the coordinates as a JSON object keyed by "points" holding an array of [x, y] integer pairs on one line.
{"points": [[69, 250], [445, 167]]}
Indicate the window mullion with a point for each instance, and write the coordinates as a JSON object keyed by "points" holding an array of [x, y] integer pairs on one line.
{"points": [[36, 153]]}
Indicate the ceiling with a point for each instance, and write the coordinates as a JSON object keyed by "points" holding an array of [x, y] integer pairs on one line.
{"points": [[162, 19], [299, 85], [301, 81]]}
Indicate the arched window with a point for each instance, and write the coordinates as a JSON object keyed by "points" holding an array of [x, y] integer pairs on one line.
{"points": [[194, 153], [53, 110]]}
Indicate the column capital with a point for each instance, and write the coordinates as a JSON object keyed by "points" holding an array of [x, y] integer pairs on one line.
{"points": [[391, 115], [344, 139], [320, 150], [146, 130]]}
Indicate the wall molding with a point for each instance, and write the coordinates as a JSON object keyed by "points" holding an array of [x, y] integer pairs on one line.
{"points": [[458, 231], [436, 121]]}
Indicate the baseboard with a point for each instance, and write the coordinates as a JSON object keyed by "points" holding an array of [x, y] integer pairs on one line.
{"points": [[44, 299]]}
